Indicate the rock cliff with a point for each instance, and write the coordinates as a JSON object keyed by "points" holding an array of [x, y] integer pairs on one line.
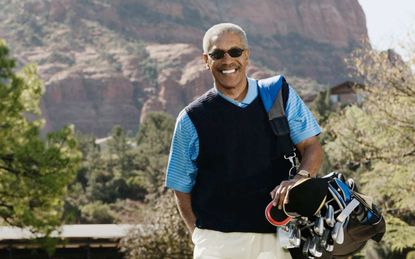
{"points": [[112, 62]]}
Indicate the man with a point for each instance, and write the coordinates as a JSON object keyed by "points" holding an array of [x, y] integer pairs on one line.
{"points": [[224, 167]]}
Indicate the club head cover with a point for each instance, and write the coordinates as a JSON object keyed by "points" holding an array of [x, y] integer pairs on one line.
{"points": [[305, 198]]}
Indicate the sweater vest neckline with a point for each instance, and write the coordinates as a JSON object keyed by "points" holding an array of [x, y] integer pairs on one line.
{"points": [[233, 106]]}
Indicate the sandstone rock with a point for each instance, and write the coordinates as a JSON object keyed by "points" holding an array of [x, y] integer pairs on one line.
{"points": [[111, 62], [91, 101]]}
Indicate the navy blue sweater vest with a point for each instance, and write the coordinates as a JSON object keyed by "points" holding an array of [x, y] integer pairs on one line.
{"points": [[239, 164]]}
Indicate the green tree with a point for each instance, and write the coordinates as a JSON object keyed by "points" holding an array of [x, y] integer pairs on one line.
{"points": [[105, 181], [77, 196], [375, 143], [153, 147], [322, 106], [34, 171], [110, 179]]}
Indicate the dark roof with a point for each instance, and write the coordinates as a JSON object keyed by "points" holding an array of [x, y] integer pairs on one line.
{"points": [[94, 235], [345, 87]]}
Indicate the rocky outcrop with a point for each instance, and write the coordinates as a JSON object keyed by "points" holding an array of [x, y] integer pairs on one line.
{"points": [[111, 62], [93, 104]]}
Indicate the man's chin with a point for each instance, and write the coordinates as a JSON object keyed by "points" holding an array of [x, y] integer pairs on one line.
{"points": [[230, 83]]}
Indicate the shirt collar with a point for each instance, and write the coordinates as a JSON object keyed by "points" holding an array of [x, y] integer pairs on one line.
{"points": [[250, 95]]}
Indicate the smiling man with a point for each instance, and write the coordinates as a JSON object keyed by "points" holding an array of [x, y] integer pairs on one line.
{"points": [[227, 58], [224, 164]]}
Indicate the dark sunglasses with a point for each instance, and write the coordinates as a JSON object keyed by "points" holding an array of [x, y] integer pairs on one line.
{"points": [[219, 54]]}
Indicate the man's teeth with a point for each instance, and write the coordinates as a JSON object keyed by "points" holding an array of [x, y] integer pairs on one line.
{"points": [[228, 71]]}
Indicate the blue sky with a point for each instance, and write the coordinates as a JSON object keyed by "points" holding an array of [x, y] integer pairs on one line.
{"points": [[390, 23]]}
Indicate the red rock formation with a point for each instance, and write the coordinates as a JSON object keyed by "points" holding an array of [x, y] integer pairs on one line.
{"points": [[111, 62], [93, 103]]}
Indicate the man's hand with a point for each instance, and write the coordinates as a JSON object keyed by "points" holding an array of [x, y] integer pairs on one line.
{"points": [[184, 203], [312, 157], [280, 194]]}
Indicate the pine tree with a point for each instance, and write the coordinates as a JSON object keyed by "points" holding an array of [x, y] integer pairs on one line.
{"points": [[34, 171]]}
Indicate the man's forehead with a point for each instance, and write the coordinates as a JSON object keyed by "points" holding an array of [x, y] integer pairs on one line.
{"points": [[226, 39]]}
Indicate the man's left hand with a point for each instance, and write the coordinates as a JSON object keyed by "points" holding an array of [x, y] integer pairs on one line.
{"points": [[312, 157], [280, 193]]}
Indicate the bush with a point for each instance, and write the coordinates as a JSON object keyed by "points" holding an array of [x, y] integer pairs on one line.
{"points": [[164, 235], [97, 213]]}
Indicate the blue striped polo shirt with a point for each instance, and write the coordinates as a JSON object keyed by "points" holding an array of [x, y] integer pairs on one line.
{"points": [[182, 169]]}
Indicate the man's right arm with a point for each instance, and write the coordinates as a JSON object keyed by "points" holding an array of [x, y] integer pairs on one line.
{"points": [[181, 168], [184, 203]]}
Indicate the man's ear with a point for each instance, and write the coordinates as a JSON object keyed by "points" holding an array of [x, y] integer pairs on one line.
{"points": [[206, 59], [247, 53]]}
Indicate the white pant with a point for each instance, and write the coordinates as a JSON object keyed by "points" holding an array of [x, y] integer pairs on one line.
{"points": [[210, 244]]}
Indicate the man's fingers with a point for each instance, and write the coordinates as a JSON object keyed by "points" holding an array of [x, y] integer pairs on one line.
{"points": [[286, 195], [278, 195], [272, 193], [281, 196], [275, 194]]}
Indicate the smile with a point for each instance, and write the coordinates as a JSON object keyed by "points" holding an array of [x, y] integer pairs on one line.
{"points": [[229, 71]]}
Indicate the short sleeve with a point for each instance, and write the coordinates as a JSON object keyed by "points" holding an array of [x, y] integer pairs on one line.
{"points": [[181, 169], [302, 123]]}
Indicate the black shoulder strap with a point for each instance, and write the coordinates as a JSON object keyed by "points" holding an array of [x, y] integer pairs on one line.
{"points": [[285, 92], [277, 118], [280, 127], [280, 103]]}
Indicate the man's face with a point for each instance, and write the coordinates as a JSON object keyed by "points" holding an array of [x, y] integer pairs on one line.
{"points": [[228, 72]]}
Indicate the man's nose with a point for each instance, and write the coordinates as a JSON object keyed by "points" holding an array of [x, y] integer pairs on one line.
{"points": [[227, 58]]}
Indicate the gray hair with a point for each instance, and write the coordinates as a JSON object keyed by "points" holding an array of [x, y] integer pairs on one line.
{"points": [[221, 28]]}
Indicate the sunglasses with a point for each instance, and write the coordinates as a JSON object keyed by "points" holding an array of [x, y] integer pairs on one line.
{"points": [[219, 54]]}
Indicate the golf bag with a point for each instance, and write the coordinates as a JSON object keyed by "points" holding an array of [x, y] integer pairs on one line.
{"points": [[339, 221], [341, 225]]}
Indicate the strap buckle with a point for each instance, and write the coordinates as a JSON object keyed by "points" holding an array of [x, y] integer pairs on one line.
{"points": [[293, 169]]}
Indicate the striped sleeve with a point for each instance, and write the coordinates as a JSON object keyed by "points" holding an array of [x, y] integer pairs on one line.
{"points": [[300, 119], [181, 168]]}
